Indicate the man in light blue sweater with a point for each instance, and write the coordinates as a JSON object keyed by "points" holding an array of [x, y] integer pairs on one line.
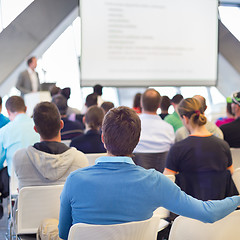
{"points": [[117, 191]]}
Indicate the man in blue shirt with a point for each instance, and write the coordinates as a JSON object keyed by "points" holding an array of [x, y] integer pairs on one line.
{"points": [[117, 191], [19, 133]]}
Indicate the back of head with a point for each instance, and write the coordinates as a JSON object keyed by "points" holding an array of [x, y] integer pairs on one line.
{"points": [[91, 100], [15, 104], [177, 99], [61, 102], [0, 101], [106, 106], [121, 131], [66, 92], [137, 100], [54, 90], [47, 120], [98, 89], [202, 100], [229, 106], [94, 117], [192, 109], [150, 100], [165, 103]]}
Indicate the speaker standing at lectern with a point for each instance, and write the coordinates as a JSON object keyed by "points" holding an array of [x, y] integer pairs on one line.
{"points": [[28, 80]]}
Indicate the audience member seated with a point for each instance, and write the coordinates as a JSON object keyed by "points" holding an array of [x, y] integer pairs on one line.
{"points": [[91, 100], [106, 106], [183, 132], [66, 92], [18, 133], [97, 89], [164, 105], [202, 161], [174, 118], [115, 190], [157, 136], [3, 120], [91, 141], [49, 161], [230, 116], [231, 131], [54, 90], [137, 103], [70, 129]]}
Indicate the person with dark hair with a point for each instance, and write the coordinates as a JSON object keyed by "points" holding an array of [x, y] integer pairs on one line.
{"points": [[231, 131], [230, 115], [174, 118], [54, 90], [91, 100], [164, 105], [106, 106], [49, 161], [3, 120], [18, 133], [97, 89], [202, 162], [91, 142], [70, 129], [66, 92], [28, 80], [183, 132], [137, 103], [115, 190], [157, 136]]}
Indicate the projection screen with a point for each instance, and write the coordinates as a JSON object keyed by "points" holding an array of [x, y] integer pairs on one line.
{"points": [[149, 42]]}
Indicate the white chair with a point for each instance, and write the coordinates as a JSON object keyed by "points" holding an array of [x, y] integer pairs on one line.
{"points": [[235, 157], [184, 228], [66, 142], [93, 156], [36, 204], [142, 230], [236, 178]]}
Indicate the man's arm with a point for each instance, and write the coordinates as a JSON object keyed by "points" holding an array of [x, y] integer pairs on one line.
{"points": [[171, 197], [20, 85], [65, 216]]}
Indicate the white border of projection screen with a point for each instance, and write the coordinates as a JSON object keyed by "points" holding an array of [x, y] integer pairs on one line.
{"points": [[149, 42]]}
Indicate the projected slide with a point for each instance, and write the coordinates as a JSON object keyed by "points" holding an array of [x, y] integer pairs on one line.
{"points": [[149, 42]]}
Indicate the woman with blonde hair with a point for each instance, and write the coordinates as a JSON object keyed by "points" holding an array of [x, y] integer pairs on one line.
{"points": [[202, 162]]}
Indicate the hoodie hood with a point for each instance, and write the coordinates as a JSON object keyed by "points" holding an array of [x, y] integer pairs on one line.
{"points": [[51, 166]]}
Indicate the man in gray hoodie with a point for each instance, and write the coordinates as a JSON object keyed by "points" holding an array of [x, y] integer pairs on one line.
{"points": [[49, 161]]}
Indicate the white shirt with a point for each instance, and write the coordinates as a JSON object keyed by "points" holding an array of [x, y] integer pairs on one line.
{"points": [[156, 135], [34, 79]]}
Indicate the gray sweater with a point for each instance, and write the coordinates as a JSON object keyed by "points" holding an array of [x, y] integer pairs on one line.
{"points": [[37, 168]]}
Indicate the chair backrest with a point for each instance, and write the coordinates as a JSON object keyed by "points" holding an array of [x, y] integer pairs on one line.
{"points": [[235, 157], [93, 156], [151, 160], [184, 228], [142, 230], [236, 178], [36, 204]]}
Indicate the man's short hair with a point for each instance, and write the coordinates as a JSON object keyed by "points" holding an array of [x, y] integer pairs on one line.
{"points": [[165, 103], [177, 99], [151, 100], [47, 119], [94, 117], [98, 89], [91, 100], [61, 102], [106, 106], [202, 100], [29, 61], [121, 131], [15, 104], [0, 101]]}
